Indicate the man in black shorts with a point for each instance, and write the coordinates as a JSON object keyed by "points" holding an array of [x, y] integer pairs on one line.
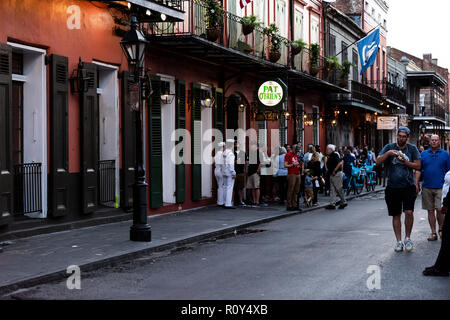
{"points": [[401, 159]]}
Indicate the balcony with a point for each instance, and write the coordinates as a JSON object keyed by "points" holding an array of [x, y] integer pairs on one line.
{"points": [[361, 96], [429, 110], [232, 49], [389, 91]]}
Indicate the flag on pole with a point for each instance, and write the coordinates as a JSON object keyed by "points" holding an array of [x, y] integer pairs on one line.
{"points": [[243, 3], [368, 49]]}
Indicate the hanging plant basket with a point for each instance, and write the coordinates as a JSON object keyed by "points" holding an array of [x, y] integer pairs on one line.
{"points": [[314, 69], [274, 56], [212, 34], [247, 29], [296, 51]]}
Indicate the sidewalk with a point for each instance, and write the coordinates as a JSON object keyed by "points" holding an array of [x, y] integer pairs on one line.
{"points": [[34, 260]]}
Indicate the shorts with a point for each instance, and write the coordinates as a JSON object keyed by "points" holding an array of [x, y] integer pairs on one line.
{"points": [[253, 181], [400, 200], [431, 199], [240, 181], [309, 192]]}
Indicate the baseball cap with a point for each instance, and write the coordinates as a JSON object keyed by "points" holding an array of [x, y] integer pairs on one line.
{"points": [[404, 129]]}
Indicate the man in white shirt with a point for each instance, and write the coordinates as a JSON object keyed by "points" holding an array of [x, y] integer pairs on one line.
{"points": [[218, 161], [229, 174]]}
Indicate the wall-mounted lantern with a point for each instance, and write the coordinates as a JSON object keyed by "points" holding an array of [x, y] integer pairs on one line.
{"points": [[79, 79]]}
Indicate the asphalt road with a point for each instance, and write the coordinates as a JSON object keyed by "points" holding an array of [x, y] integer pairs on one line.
{"points": [[317, 255]]}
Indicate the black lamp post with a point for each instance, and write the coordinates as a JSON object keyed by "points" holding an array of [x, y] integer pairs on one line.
{"points": [[134, 45]]}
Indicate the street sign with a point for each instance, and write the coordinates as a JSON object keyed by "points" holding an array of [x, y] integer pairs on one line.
{"points": [[272, 94], [387, 123]]}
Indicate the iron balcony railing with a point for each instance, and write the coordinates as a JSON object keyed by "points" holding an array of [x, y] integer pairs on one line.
{"points": [[27, 188], [428, 108], [107, 182], [388, 90], [255, 44], [365, 94]]}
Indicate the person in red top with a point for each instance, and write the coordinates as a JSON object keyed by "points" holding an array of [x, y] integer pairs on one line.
{"points": [[291, 161]]}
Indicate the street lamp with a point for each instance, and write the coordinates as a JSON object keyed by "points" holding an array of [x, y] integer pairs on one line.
{"points": [[134, 44]]}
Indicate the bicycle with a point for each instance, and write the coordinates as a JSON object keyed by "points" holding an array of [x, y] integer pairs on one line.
{"points": [[357, 180], [371, 178]]}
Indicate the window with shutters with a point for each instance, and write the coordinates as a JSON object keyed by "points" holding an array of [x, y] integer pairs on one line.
{"points": [[260, 12], [314, 30], [281, 23], [298, 34], [344, 53], [316, 127], [355, 65], [300, 123]]}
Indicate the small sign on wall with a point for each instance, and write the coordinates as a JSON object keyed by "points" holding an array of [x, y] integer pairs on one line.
{"points": [[387, 123]]}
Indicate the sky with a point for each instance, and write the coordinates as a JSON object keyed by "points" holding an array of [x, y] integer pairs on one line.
{"points": [[418, 27]]}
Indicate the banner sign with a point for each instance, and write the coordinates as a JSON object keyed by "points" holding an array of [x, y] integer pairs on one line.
{"points": [[387, 123], [272, 94]]}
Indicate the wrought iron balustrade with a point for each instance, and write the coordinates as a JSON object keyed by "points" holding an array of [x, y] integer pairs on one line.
{"points": [[255, 44], [107, 182], [27, 188]]}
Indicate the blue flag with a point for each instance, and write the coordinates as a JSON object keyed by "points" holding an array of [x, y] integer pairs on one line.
{"points": [[368, 49]]}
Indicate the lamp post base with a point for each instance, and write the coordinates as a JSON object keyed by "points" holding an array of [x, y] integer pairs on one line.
{"points": [[142, 233]]}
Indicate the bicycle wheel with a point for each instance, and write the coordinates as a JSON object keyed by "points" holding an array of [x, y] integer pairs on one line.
{"points": [[359, 185], [351, 186], [367, 183]]}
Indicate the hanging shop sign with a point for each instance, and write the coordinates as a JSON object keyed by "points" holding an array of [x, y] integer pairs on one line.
{"points": [[402, 120], [387, 123], [272, 94]]}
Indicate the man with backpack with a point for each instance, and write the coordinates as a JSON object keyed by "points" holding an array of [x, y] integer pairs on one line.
{"points": [[401, 192]]}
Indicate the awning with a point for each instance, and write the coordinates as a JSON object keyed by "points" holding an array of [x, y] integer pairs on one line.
{"points": [[418, 118], [356, 104]]}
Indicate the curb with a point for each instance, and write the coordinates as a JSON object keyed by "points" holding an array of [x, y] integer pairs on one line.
{"points": [[60, 275]]}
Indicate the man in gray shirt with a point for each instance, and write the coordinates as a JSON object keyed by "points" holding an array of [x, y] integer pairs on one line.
{"points": [[401, 159]]}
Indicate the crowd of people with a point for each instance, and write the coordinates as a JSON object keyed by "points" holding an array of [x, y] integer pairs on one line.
{"points": [[293, 178], [288, 177]]}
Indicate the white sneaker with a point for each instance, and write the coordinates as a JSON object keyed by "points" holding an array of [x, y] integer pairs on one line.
{"points": [[399, 247], [409, 244]]}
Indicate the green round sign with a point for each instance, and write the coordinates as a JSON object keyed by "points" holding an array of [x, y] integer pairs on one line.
{"points": [[270, 93]]}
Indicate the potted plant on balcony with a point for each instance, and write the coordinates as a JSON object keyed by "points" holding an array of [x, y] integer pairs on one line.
{"points": [[297, 46], [275, 42], [249, 23], [214, 18], [345, 72], [331, 63], [314, 55]]}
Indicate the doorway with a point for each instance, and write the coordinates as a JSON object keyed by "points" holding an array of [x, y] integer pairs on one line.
{"points": [[108, 135], [29, 131]]}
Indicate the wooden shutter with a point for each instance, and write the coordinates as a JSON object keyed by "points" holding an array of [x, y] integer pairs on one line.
{"points": [[59, 192], [180, 110], [6, 168], [219, 122], [89, 140], [128, 144], [196, 138], [155, 145], [282, 128]]}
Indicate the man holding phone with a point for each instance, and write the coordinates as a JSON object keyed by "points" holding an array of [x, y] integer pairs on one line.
{"points": [[401, 192]]}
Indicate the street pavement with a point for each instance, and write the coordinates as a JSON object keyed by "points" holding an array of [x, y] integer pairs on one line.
{"points": [[317, 255]]}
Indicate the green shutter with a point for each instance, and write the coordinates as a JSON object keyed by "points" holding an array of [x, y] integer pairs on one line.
{"points": [[282, 129], [155, 146], [59, 192], [196, 138], [6, 167], [180, 109], [128, 144], [219, 113]]}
